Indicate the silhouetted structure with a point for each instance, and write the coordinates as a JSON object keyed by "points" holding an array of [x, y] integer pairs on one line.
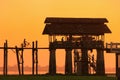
{"points": [[80, 34], [115, 48], [20, 57], [77, 33]]}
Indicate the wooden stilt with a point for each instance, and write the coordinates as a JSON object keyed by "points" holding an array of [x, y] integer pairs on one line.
{"points": [[4, 62], [68, 61], [116, 64], [5, 58], [34, 58], [100, 69], [52, 62], [20, 60], [84, 62]]}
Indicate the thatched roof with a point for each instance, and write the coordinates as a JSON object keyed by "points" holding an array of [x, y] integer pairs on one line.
{"points": [[75, 26]]}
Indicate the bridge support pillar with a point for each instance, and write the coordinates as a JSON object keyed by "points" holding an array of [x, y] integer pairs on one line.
{"points": [[20, 60], [118, 65], [5, 66], [84, 61], [34, 58], [79, 68], [100, 66], [52, 62], [68, 61]]}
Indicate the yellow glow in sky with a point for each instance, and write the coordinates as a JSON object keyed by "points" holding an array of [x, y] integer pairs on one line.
{"points": [[21, 19]]}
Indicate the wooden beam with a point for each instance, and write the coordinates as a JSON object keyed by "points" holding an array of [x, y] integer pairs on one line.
{"points": [[24, 48]]}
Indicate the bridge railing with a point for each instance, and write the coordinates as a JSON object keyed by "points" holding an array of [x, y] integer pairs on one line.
{"points": [[113, 47]]}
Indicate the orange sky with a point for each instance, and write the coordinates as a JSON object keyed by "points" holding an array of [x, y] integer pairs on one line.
{"points": [[21, 19]]}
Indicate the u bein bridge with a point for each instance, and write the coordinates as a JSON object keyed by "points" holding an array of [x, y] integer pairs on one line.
{"points": [[78, 34]]}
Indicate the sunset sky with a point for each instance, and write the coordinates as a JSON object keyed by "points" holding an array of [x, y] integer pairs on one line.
{"points": [[21, 19]]}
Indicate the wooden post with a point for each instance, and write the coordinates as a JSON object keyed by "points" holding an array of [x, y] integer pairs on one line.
{"points": [[52, 62], [18, 62], [116, 64], [5, 58], [68, 61], [4, 62], [20, 59], [34, 58], [84, 64], [100, 66]]}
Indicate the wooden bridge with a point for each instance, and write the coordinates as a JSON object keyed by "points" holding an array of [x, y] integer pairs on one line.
{"points": [[109, 48], [113, 47], [20, 58], [79, 33]]}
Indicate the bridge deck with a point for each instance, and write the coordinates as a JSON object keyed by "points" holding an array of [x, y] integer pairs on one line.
{"points": [[24, 48], [109, 47]]}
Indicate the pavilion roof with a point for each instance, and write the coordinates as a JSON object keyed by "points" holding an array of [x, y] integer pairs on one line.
{"points": [[75, 26]]}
